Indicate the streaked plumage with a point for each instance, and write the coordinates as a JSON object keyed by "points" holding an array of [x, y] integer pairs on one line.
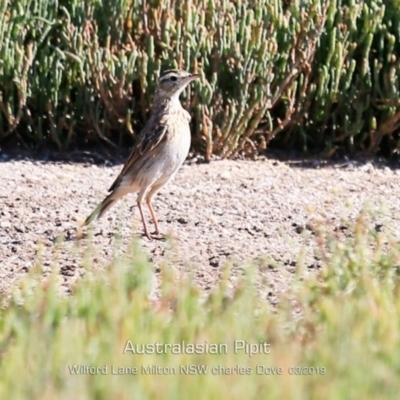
{"points": [[162, 148]]}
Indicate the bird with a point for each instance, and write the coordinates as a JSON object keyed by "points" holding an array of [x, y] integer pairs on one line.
{"points": [[160, 151]]}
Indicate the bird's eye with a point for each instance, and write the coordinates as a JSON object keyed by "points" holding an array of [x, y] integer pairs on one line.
{"points": [[173, 78]]}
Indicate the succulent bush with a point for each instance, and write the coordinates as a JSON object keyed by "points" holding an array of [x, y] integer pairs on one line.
{"points": [[309, 74]]}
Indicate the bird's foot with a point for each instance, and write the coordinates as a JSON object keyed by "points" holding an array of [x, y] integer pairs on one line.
{"points": [[157, 235], [146, 234]]}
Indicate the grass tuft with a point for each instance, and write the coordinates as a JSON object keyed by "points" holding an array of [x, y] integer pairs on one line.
{"points": [[335, 334]]}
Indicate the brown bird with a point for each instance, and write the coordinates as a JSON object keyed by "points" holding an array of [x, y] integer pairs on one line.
{"points": [[162, 148]]}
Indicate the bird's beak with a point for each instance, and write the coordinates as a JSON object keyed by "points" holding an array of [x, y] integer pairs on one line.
{"points": [[193, 77]]}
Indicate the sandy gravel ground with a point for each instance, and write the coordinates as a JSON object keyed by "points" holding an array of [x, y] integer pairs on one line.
{"points": [[236, 212]]}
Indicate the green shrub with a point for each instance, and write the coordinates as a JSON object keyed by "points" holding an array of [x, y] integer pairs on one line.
{"points": [[310, 74]]}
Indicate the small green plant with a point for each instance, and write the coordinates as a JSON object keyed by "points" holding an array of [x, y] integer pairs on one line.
{"points": [[334, 335]]}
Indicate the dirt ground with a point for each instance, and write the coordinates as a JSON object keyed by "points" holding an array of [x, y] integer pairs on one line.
{"points": [[236, 212]]}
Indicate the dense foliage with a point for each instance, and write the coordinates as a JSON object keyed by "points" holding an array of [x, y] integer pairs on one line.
{"points": [[310, 74]]}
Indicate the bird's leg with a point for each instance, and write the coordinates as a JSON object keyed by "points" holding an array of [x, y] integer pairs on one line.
{"points": [[146, 232], [153, 217]]}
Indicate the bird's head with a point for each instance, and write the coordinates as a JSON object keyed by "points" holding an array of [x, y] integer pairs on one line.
{"points": [[173, 81]]}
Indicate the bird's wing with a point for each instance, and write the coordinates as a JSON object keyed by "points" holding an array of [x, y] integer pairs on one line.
{"points": [[152, 135]]}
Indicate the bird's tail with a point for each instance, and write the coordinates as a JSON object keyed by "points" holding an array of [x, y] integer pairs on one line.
{"points": [[101, 208]]}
